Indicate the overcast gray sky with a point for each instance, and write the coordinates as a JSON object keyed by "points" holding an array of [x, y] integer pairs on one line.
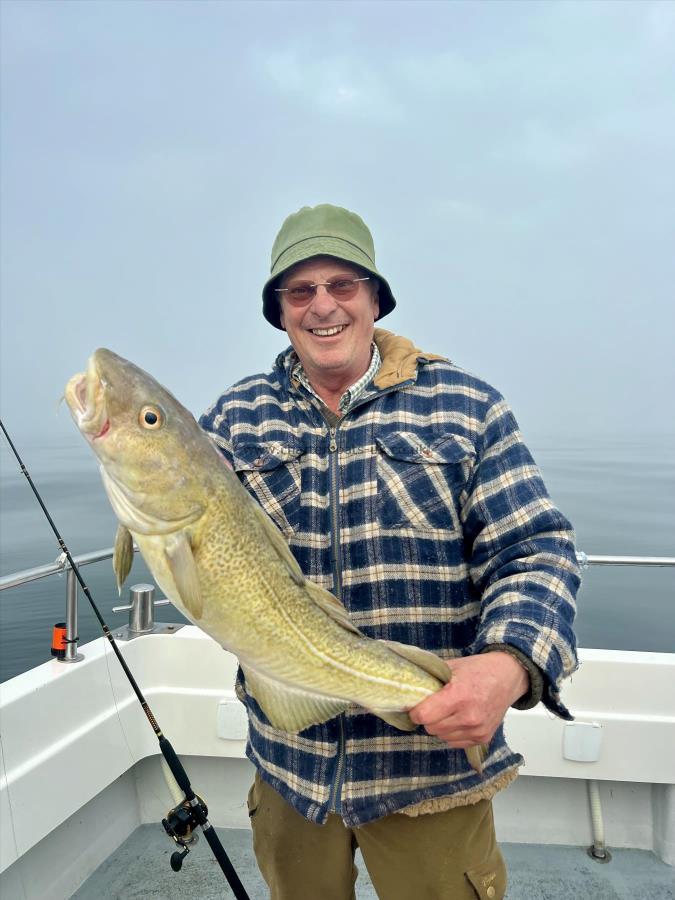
{"points": [[513, 160]]}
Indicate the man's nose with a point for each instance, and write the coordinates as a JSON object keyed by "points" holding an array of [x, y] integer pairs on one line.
{"points": [[323, 303]]}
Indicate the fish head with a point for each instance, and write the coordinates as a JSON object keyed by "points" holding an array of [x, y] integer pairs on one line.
{"points": [[155, 459]]}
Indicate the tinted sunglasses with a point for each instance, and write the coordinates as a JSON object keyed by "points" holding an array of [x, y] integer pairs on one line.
{"points": [[340, 288]]}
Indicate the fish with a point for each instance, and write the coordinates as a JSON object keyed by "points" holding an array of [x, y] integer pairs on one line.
{"points": [[226, 566]]}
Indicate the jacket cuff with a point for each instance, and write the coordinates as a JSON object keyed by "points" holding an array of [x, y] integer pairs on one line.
{"points": [[536, 689]]}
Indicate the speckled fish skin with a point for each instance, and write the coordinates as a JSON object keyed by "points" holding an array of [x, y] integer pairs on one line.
{"points": [[225, 565]]}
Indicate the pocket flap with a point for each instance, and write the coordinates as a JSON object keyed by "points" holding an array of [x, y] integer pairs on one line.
{"points": [[489, 880], [407, 446], [262, 457]]}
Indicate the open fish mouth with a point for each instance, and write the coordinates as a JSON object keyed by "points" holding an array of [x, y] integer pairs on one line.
{"points": [[85, 397]]}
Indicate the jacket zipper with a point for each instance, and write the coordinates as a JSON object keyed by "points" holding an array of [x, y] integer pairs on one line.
{"points": [[334, 515], [335, 804], [336, 792]]}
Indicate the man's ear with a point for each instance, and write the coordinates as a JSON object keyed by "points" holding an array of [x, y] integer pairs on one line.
{"points": [[376, 299]]}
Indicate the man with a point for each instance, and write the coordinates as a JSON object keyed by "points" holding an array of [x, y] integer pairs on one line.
{"points": [[403, 486]]}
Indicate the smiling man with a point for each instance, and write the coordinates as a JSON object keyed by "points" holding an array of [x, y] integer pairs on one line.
{"points": [[402, 484], [328, 308]]}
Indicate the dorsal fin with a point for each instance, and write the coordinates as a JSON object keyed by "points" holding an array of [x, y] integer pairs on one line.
{"points": [[323, 598], [400, 720], [278, 543], [435, 666], [425, 659], [330, 605]]}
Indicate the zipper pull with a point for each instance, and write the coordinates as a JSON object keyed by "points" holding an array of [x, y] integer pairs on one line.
{"points": [[333, 445]]}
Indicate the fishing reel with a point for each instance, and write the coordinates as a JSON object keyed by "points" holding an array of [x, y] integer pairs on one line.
{"points": [[180, 825]]}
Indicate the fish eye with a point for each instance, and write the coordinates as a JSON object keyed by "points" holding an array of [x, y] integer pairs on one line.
{"points": [[150, 417]]}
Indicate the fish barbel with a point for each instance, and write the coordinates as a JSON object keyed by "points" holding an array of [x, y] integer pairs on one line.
{"points": [[221, 560]]}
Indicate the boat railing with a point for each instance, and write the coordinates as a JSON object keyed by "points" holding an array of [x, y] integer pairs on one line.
{"points": [[584, 560], [141, 596], [142, 600]]}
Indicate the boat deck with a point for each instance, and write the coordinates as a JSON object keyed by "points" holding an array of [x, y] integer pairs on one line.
{"points": [[140, 868]]}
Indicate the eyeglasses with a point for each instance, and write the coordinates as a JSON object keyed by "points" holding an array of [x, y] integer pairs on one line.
{"points": [[339, 288]]}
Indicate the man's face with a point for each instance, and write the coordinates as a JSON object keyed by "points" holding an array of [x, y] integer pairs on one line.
{"points": [[331, 337]]}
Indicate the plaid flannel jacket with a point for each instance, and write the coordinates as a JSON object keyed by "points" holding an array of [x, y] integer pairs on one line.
{"points": [[424, 512]]}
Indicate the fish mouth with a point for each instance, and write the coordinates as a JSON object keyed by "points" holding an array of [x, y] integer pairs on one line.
{"points": [[85, 397]]}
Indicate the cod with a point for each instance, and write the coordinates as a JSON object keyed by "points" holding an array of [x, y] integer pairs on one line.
{"points": [[224, 564]]}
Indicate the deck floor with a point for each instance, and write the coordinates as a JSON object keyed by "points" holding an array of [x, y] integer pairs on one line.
{"points": [[140, 869]]}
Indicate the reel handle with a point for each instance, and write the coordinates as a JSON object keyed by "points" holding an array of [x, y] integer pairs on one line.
{"points": [[177, 859]]}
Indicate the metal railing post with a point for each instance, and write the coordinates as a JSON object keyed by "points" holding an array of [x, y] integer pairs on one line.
{"points": [[72, 637]]}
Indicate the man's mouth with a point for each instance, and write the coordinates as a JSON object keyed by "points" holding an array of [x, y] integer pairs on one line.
{"points": [[328, 332]]}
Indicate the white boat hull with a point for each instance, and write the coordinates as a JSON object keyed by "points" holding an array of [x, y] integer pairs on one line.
{"points": [[80, 767]]}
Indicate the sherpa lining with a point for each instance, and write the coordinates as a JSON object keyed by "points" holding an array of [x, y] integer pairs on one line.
{"points": [[399, 358], [450, 801]]}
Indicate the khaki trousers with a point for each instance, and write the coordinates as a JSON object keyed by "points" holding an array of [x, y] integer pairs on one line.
{"points": [[451, 855]]}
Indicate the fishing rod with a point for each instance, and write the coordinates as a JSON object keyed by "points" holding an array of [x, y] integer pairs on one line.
{"points": [[186, 816]]}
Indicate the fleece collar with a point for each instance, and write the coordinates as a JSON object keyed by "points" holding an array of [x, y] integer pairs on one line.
{"points": [[399, 358]]}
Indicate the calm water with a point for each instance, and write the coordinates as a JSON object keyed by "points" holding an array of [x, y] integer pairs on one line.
{"points": [[620, 495]]}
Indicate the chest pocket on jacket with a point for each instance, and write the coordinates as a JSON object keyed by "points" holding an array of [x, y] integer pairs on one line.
{"points": [[419, 481], [271, 472]]}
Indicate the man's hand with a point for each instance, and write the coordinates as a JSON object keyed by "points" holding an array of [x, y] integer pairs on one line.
{"points": [[471, 707]]}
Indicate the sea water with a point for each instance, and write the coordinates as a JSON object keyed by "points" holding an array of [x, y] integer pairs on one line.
{"points": [[619, 494]]}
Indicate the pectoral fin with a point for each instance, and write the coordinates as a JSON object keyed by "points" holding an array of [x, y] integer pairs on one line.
{"points": [[278, 543], [291, 709], [181, 563], [123, 555], [330, 605]]}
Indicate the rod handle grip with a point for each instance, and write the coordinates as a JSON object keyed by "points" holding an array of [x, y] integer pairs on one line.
{"points": [[176, 767]]}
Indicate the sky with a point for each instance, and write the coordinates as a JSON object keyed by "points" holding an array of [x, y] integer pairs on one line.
{"points": [[514, 162]]}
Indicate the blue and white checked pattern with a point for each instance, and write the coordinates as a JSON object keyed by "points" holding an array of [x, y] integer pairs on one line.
{"points": [[447, 539]]}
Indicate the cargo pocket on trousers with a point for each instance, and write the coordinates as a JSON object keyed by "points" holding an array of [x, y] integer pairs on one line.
{"points": [[489, 880]]}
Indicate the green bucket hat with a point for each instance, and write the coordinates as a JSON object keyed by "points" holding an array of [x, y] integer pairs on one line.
{"points": [[323, 230]]}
